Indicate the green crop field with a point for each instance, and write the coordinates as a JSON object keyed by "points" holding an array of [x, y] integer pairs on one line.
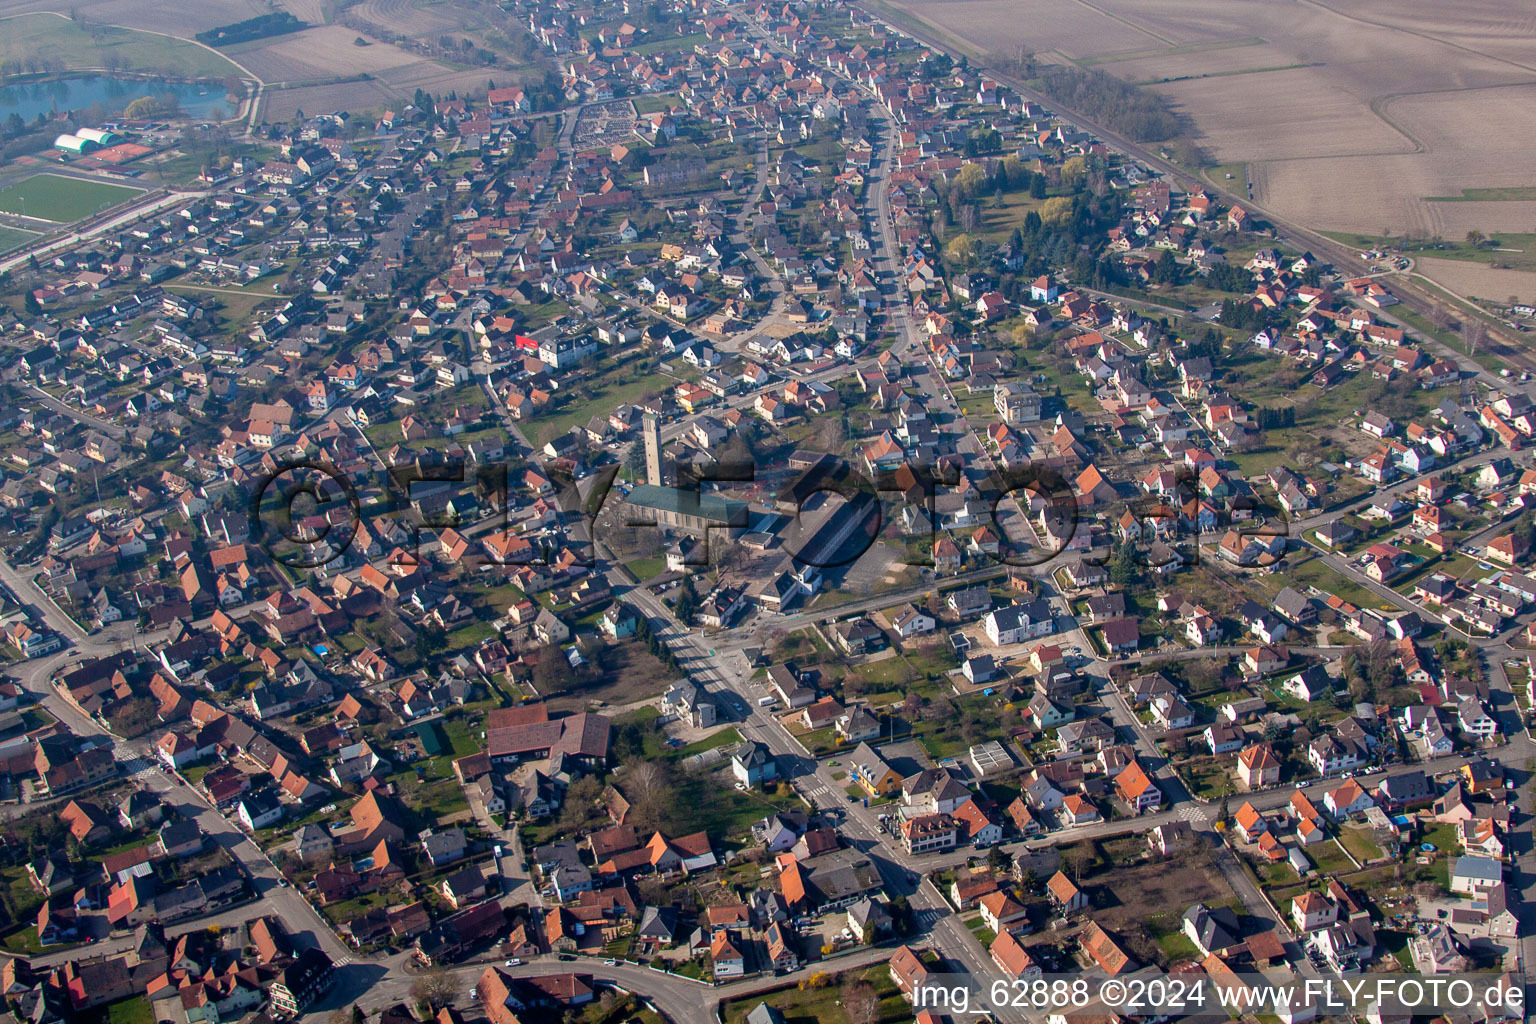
{"points": [[52, 42], [10, 238], [59, 198]]}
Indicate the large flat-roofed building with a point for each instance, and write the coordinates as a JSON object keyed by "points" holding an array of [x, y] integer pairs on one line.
{"points": [[75, 144], [687, 510], [96, 135]]}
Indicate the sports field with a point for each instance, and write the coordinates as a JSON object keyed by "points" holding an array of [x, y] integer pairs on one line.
{"points": [[10, 238], [62, 199]]}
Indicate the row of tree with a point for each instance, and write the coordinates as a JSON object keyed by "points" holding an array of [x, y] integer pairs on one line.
{"points": [[1106, 100]]}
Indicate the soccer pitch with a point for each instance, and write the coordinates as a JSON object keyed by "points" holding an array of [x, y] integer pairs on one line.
{"points": [[10, 238], [62, 199]]}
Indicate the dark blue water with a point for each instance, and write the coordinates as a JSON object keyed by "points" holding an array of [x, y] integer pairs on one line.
{"points": [[30, 99]]}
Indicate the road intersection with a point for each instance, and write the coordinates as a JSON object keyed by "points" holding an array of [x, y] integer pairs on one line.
{"points": [[718, 664]]}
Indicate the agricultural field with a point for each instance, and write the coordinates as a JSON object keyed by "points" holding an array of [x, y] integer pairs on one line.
{"points": [[410, 18], [1349, 118], [438, 79], [311, 12], [317, 54], [92, 44], [1478, 280], [323, 68], [180, 20], [1052, 30], [63, 199], [357, 96]]}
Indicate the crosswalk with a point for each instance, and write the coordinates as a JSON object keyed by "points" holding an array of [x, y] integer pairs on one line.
{"points": [[818, 791], [927, 917], [135, 765]]}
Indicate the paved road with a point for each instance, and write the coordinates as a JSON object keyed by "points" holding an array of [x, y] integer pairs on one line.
{"points": [[113, 430], [382, 982], [130, 215], [1296, 236], [275, 896]]}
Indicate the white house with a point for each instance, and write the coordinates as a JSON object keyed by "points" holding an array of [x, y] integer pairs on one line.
{"points": [[910, 622], [1350, 798], [1330, 757], [727, 959], [1019, 622], [1309, 684], [1474, 875], [258, 810], [1313, 910], [1475, 720]]}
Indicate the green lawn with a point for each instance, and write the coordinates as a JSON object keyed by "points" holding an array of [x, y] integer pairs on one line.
{"points": [[978, 927], [820, 741], [470, 635], [655, 103], [824, 1005], [24, 941], [1176, 946], [12, 238], [131, 1011], [74, 46], [998, 219], [1208, 777], [461, 737], [935, 661], [1360, 844], [587, 399], [1317, 573], [646, 568], [671, 44], [1442, 837], [885, 672], [1396, 945], [1330, 860], [706, 802], [436, 797], [725, 737], [1460, 249], [194, 773], [24, 895], [57, 197], [1224, 175]]}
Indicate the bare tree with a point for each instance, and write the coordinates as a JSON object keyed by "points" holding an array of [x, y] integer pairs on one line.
{"points": [[860, 1003], [434, 987], [650, 791], [1077, 857], [1472, 334]]}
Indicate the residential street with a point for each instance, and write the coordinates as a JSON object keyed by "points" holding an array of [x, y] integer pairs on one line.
{"points": [[520, 674]]}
